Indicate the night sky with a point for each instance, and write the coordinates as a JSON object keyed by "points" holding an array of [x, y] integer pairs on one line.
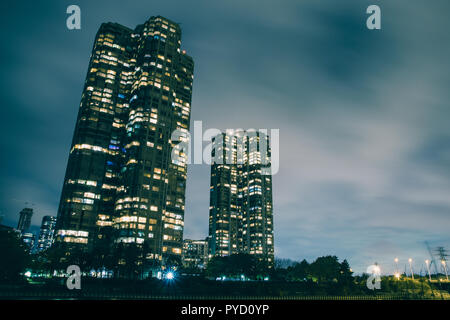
{"points": [[363, 115]]}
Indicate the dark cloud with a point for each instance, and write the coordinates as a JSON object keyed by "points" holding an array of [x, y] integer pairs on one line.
{"points": [[363, 115]]}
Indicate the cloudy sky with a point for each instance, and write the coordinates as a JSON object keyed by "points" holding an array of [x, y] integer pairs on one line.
{"points": [[363, 115]]}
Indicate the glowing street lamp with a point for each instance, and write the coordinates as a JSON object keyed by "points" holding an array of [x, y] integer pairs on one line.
{"points": [[428, 268], [410, 267], [170, 275], [396, 264], [377, 270]]}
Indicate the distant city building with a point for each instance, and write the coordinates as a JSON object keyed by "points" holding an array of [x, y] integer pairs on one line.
{"points": [[29, 239], [25, 219], [121, 185], [46, 233], [241, 210], [195, 253]]}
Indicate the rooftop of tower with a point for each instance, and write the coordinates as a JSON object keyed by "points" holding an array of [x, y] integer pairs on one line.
{"points": [[170, 24]]}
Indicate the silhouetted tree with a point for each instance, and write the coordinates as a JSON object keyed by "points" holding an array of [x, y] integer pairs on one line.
{"points": [[346, 275], [128, 260], [299, 271], [326, 268], [236, 265], [14, 256], [216, 267]]}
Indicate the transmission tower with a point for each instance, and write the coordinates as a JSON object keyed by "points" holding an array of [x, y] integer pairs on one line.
{"points": [[442, 253], [433, 262]]}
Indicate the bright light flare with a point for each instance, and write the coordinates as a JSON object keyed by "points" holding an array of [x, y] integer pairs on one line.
{"points": [[377, 270]]}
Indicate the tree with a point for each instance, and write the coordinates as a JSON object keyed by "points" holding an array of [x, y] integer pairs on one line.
{"points": [[326, 268], [346, 279], [14, 256], [299, 272], [216, 267], [236, 265], [101, 257], [346, 275], [55, 258], [128, 259], [241, 264], [284, 263]]}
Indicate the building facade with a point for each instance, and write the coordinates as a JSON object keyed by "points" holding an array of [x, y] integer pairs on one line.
{"points": [[195, 253], [121, 185], [92, 176], [46, 233], [24, 223], [241, 209], [29, 239]]}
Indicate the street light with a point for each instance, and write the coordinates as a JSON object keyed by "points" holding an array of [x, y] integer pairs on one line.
{"points": [[428, 268], [410, 267], [396, 265], [377, 270]]}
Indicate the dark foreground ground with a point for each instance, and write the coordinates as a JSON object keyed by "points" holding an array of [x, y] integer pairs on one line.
{"points": [[201, 289]]}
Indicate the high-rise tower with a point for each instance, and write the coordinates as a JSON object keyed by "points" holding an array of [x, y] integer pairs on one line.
{"points": [[121, 185], [241, 213], [25, 219], [86, 208], [151, 200], [46, 233]]}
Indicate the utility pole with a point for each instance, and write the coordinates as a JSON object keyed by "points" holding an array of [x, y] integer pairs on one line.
{"points": [[410, 268]]}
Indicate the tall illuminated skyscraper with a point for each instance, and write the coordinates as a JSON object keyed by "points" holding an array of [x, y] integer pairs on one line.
{"points": [[46, 233], [241, 213], [151, 200], [121, 185], [86, 208]]}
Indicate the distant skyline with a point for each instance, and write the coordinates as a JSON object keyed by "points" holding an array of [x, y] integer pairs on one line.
{"points": [[363, 115]]}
